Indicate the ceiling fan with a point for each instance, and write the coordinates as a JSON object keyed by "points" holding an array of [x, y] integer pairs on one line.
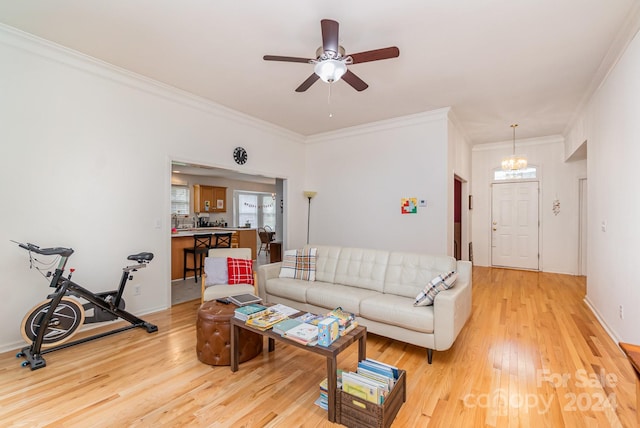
{"points": [[331, 61]]}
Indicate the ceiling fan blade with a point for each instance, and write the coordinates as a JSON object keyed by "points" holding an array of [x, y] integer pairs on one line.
{"points": [[329, 35], [286, 58], [307, 83], [357, 83], [375, 55]]}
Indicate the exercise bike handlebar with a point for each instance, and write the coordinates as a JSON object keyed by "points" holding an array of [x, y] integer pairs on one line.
{"points": [[59, 251]]}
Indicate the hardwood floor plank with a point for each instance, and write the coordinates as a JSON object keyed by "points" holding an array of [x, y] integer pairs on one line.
{"points": [[531, 355]]}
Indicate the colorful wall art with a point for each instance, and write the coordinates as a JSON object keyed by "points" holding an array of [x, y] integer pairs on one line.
{"points": [[409, 205]]}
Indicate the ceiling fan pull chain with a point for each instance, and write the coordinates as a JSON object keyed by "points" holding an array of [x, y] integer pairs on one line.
{"points": [[329, 100]]}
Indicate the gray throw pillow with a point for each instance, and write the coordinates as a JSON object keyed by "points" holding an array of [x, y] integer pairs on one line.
{"points": [[216, 270]]}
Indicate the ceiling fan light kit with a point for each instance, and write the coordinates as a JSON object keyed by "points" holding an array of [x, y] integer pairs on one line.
{"points": [[330, 63], [330, 70]]}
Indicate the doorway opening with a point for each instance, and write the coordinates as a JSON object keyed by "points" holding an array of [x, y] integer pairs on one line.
{"points": [[225, 186], [457, 218]]}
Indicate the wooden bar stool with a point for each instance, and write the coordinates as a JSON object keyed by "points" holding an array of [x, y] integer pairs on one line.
{"points": [[223, 240], [201, 245]]}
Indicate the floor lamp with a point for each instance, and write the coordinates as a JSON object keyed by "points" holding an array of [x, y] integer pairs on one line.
{"points": [[309, 195]]}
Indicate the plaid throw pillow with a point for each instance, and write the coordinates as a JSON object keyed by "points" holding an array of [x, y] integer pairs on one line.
{"points": [[240, 271], [299, 264], [436, 285]]}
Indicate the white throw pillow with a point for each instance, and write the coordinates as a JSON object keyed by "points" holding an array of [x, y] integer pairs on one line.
{"points": [[299, 264], [216, 270], [436, 285]]}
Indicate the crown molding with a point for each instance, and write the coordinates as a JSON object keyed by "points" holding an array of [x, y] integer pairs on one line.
{"points": [[382, 125], [527, 142], [57, 53]]}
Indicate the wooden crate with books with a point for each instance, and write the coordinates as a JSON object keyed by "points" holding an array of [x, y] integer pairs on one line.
{"points": [[368, 408]]}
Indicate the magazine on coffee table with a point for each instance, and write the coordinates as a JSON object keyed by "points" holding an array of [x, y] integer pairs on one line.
{"points": [[244, 299]]}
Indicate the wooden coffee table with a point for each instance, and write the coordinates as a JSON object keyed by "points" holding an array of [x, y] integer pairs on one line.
{"points": [[329, 352]]}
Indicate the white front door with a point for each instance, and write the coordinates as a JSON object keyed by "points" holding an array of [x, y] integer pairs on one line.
{"points": [[514, 225]]}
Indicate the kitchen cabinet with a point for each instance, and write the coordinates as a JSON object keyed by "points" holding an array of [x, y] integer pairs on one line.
{"points": [[209, 199]]}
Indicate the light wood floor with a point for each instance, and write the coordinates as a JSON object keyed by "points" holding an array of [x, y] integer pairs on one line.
{"points": [[531, 355]]}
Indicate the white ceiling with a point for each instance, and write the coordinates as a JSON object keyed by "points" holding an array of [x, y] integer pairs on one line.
{"points": [[494, 62]]}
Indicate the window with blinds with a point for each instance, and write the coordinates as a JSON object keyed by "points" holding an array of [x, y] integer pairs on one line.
{"points": [[179, 200]]}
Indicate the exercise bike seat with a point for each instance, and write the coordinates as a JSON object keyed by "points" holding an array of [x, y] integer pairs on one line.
{"points": [[141, 257]]}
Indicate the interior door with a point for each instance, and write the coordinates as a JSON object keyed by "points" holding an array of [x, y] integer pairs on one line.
{"points": [[514, 225]]}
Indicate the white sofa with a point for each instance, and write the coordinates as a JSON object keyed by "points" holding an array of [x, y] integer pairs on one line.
{"points": [[211, 291], [380, 287]]}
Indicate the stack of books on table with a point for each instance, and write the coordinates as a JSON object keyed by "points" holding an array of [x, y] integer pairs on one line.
{"points": [[286, 324], [266, 320], [310, 318], [249, 311], [283, 309], [304, 333], [347, 320], [372, 381]]}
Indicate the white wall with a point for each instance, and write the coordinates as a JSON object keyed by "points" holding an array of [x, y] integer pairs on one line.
{"points": [[362, 173], [612, 129], [87, 151], [558, 179]]}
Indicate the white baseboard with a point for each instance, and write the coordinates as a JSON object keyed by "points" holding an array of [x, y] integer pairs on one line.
{"points": [[604, 325], [18, 345]]}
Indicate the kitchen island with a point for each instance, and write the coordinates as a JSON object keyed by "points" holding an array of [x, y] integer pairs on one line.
{"points": [[241, 238]]}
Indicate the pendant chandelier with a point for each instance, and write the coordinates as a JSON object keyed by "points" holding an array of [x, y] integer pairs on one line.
{"points": [[513, 162]]}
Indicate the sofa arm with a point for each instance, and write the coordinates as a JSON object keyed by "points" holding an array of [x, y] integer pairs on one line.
{"points": [[266, 272], [452, 308]]}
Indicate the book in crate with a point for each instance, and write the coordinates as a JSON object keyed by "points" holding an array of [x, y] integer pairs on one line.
{"points": [[372, 381], [323, 399], [353, 411]]}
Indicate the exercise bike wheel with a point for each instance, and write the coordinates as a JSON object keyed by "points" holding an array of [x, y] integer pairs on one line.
{"points": [[69, 315]]}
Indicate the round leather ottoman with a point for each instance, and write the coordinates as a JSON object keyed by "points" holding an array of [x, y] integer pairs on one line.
{"points": [[213, 332]]}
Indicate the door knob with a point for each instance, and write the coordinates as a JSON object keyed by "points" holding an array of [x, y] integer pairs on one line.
{"points": [[495, 228]]}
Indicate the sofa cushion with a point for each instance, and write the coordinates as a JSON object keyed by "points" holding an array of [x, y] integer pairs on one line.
{"points": [[213, 292], [330, 296], [291, 289], [240, 271], [326, 262], [362, 268], [299, 264], [407, 273], [216, 270], [398, 311]]}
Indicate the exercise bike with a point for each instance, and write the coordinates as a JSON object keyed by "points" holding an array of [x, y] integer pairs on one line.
{"points": [[51, 323]]}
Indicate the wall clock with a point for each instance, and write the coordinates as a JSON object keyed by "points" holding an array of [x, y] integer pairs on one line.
{"points": [[240, 155]]}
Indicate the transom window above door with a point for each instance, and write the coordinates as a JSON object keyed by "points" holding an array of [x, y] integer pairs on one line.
{"points": [[522, 174]]}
